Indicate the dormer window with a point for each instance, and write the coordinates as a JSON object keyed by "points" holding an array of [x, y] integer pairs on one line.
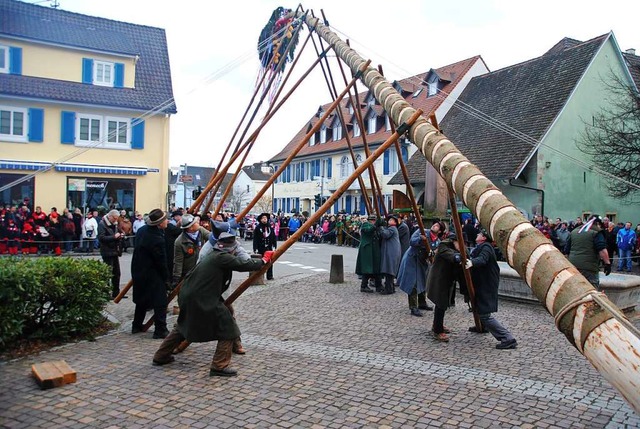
{"points": [[312, 140], [323, 134], [356, 130], [415, 94], [103, 73], [433, 88], [372, 123], [350, 107], [337, 131], [387, 122]]}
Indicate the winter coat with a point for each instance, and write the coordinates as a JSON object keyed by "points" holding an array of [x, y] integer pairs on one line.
{"points": [[368, 260], [203, 315], [91, 225], [171, 234], [626, 239], [109, 244], [412, 272], [390, 251], [404, 234], [443, 274], [485, 274], [149, 267], [186, 251]]}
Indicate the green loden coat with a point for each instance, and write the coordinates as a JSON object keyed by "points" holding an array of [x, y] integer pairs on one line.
{"points": [[446, 269], [203, 315], [368, 260]]}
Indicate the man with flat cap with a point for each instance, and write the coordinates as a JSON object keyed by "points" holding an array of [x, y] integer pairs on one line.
{"points": [[187, 247], [150, 274], [203, 315]]}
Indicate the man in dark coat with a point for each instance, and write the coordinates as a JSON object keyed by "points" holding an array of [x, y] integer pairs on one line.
{"points": [[390, 253], [368, 260], [412, 275], [110, 241], [485, 274], [203, 315], [441, 282], [171, 234], [150, 274], [264, 239], [404, 235]]}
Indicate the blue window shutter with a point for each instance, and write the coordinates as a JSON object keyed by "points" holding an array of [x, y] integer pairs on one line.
{"points": [[137, 134], [87, 70], [363, 207], [273, 205], [348, 204], [36, 125], [385, 167], [15, 60], [302, 171], [118, 78], [335, 207], [317, 167], [68, 127], [405, 154], [328, 168]]}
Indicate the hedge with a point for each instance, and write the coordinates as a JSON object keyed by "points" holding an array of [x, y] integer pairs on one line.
{"points": [[49, 297]]}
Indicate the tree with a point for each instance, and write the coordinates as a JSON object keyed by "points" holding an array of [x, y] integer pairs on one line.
{"points": [[264, 204], [612, 140], [237, 201]]}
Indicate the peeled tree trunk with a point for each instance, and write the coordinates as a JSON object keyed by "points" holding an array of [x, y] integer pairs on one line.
{"points": [[597, 329]]}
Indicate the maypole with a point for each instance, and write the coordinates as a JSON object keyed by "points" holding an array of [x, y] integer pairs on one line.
{"points": [[585, 316]]}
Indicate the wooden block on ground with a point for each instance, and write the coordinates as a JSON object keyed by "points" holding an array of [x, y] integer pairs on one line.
{"points": [[53, 374]]}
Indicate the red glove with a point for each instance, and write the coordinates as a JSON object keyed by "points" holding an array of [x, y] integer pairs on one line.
{"points": [[266, 256]]}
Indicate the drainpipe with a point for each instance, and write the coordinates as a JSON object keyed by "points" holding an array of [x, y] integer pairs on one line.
{"points": [[511, 182]]}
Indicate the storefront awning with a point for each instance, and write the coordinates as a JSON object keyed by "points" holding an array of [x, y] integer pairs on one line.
{"points": [[100, 169], [22, 165]]}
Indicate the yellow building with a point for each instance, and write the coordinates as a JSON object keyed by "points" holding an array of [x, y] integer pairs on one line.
{"points": [[85, 104]]}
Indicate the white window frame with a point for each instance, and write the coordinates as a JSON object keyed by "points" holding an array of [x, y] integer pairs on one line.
{"points": [[103, 138], [4, 52], [394, 164], [323, 134], [433, 87], [11, 137], [387, 122], [337, 131], [97, 65], [312, 139], [346, 167], [356, 129], [372, 123]]}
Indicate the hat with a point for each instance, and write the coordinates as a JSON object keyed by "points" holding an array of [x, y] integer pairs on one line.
{"points": [[156, 216], [485, 233], [264, 214], [226, 237], [452, 236], [187, 221], [372, 217], [176, 213], [392, 216]]}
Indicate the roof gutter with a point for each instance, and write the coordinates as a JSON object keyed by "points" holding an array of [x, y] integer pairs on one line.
{"points": [[515, 185]]}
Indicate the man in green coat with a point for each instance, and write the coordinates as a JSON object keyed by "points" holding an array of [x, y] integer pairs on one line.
{"points": [[368, 260], [203, 315]]}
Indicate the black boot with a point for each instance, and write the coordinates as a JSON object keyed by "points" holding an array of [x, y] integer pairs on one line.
{"points": [[364, 286]]}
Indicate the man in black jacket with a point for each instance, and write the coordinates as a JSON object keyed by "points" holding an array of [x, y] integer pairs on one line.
{"points": [[485, 274], [150, 274], [264, 238], [110, 241]]}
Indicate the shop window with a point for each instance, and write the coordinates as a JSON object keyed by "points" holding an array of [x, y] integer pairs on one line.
{"points": [[15, 194], [102, 193]]}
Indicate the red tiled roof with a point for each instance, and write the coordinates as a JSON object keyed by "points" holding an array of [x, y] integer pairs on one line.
{"points": [[450, 75]]}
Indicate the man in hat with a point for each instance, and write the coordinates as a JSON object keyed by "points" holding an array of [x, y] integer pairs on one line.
{"points": [[110, 239], [187, 247], [150, 275], [203, 314], [368, 259], [485, 274], [586, 246], [441, 282], [171, 234], [264, 239], [390, 253]]}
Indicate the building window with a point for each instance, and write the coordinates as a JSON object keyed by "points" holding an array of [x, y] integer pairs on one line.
{"points": [[105, 132], [323, 134], [337, 131], [387, 122], [372, 123], [346, 167], [433, 88], [103, 73], [91, 192], [13, 125], [356, 130], [4, 59], [14, 195], [312, 140]]}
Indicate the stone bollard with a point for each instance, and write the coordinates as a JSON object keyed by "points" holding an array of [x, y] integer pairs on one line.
{"points": [[260, 279], [336, 274]]}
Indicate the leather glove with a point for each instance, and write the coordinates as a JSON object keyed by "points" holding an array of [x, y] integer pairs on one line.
{"points": [[607, 269], [266, 257], [468, 264]]}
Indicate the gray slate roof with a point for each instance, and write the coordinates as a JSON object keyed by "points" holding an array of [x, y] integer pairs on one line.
{"points": [[527, 97], [633, 62], [153, 86], [255, 172]]}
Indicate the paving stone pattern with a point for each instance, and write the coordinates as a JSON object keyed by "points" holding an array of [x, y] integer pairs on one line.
{"points": [[322, 355]]}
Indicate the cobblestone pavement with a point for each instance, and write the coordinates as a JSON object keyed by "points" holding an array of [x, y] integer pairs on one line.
{"points": [[325, 355]]}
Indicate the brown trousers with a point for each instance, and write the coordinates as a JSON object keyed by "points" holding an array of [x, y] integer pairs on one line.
{"points": [[221, 357]]}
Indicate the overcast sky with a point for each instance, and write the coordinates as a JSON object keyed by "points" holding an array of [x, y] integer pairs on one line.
{"points": [[406, 37]]}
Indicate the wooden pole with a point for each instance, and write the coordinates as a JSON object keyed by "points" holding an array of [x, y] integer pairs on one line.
{"points": [[594, 329], [123, 292]]}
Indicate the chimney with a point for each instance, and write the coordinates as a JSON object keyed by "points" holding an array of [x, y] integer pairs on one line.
{"points": [[631, 51]]}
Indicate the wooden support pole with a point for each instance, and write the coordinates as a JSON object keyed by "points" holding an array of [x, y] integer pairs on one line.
{"points": [[123, 292]]}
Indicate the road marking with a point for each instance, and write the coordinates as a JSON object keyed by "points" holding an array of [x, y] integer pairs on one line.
{"points": [[319, 270], [295, 265], [283, 262]]}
